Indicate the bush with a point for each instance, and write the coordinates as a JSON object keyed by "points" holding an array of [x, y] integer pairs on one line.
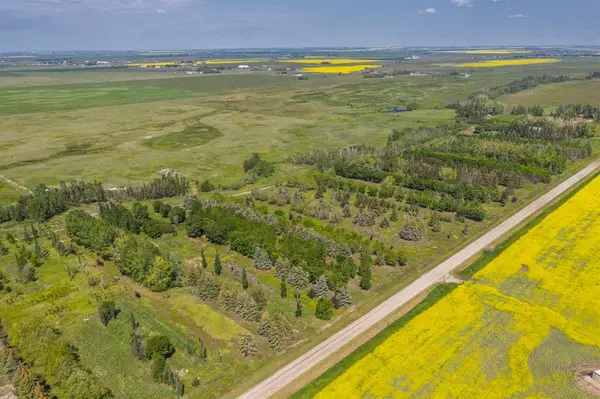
{"points": [[159, 345], [164, 210], [107, 311], [152, 228], [472, 211], [206, 187], [324, 309], [177, 215]]}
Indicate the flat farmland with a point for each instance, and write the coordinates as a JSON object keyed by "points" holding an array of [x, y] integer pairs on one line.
{"points": [[118, 132], [379, 205], [204, 126]]}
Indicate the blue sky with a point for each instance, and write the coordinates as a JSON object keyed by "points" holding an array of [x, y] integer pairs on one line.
{"points": [[32, 25]]}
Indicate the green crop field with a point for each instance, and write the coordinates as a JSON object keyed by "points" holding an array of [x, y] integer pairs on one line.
{"points": [[349, 199]]}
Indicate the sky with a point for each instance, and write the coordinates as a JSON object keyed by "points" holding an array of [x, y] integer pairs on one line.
{"points": [[45, 25]]}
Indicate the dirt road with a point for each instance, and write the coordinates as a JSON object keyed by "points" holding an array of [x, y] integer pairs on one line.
{"points": [[287, 374]]}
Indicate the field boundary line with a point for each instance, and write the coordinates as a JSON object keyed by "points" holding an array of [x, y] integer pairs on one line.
{"points": [[305, 362], [15, 184]]}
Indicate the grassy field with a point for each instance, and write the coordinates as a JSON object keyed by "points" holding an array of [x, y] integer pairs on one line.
{"points": [[21, 77], [92, 130], [578, 92], [531, 301], [8, 194]]}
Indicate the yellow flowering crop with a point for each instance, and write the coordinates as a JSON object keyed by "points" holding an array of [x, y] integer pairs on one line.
{"points": [[154, 64], [501, 63], [488, 51], [339, 68], [518, 329], [232, 61], [332, 61]]}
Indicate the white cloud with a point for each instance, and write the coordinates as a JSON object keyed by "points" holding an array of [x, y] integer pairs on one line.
{"points": [[429, 11], [516, 16], [462, 3]]}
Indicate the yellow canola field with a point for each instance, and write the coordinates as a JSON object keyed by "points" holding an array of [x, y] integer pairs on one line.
{"points": [[232, 61], [520, 329], [501, 63], [331, 61], [339, 68], [154, 64], [488, 51]]}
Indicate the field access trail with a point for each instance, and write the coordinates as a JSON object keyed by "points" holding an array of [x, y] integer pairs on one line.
{"points": [[287, 374]]}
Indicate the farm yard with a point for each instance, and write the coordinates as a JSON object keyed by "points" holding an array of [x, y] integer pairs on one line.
{"points": [[231, 220], [520, 327]]}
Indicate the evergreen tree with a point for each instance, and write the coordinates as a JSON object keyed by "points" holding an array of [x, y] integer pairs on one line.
{"points": [[411, 231], [259, 297], [218, 266], [283, 289], [324, 309], [248, 347], [319, 193], [384, 223], [193, 277], [320, 289], [282, 268], [262, 260], [394, 215], [208, 288], [365, 279], [244, 279], [342, 298], [435, 223], [298, 308], [298, 277], [346, 211], [277, 331], [465, 229], [365, 271], [203, 257]]}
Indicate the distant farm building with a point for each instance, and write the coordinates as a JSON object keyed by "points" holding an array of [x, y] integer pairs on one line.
{"points": [[244, 66]]}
